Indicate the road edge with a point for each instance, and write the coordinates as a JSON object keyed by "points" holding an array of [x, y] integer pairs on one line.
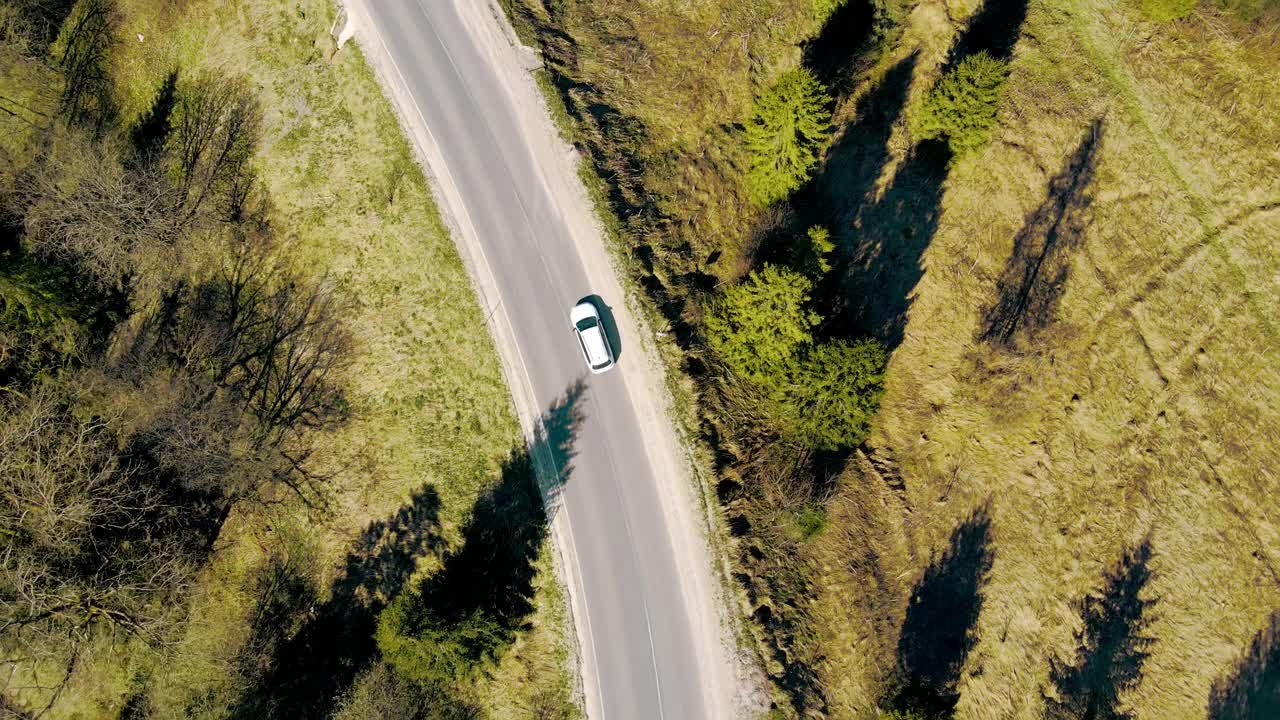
{"points": [[735, 685], [453, 214]]}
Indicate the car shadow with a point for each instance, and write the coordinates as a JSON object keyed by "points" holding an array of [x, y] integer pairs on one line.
{"points": [[606, 319]]}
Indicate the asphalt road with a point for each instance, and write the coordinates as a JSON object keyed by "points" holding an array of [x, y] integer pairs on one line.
{"points": [[637, 630]]}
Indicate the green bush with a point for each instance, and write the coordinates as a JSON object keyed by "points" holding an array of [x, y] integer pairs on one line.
{"points": [[760, 324], [1250, 10], [785, 135], [41, 323], [818, 248], [825, 397], [430, 652], [380, 693], [809, 520], [962, 107], [835, 392], [1168, 10]]}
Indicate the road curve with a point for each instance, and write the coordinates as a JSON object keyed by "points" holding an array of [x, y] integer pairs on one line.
{"points": [[629, 593]]}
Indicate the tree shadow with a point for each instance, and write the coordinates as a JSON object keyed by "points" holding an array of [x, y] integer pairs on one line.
{"points": [[42, 19], [885, 240], [994, 29], [1031, 285], [467, 614], [336, 641], [493, 572], [890, 238], [939, 629], [1111, 648], [89, 39], [873, 234], [553, 447], [840, 50], [854, 165], [152, 131], [1252, 690]]}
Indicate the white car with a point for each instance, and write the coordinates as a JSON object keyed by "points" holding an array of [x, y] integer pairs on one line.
{"points": [[591, 337]]}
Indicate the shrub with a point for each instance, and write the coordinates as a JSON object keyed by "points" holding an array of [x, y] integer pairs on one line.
{"points": [[809, 520], [760, 324], [381, 693], [84, 208], [790, 127], [962, 107], [92, 544], [835, 392], [428, 651], [819, 247], [1168, 10]]}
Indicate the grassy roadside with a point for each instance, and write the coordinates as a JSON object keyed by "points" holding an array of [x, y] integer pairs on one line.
{"points": [[354, 208]]}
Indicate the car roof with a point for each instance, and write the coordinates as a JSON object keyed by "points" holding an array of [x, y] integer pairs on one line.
{"points": [[593, 340]]}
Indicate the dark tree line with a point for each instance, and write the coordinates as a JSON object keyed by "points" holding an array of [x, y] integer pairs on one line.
{"points": [[160, 360]]}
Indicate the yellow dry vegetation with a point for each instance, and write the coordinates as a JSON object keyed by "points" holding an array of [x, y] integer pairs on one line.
{"points": [[684, 67], [1130, 206]]}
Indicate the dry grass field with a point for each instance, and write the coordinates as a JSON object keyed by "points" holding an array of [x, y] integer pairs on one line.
{"points": [[1089, 362], [1085, 366], [431, 418], [1067, 499]]}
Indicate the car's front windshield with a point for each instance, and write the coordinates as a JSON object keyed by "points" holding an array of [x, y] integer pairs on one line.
{"points": [[586, 324]]}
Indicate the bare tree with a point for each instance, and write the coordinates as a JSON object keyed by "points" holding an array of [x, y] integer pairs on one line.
{"points": [[81, 206], [90, 543], [241, 369]]}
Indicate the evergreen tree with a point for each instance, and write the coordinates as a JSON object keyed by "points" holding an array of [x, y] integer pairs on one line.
{"points": [[789, 129], [835, 392], [818, 250], [42, 322], [962, 107], [761, 323], [429, 649]]}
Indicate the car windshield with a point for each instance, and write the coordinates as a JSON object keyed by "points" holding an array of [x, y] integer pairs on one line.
{"points": [[586, 324]]}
